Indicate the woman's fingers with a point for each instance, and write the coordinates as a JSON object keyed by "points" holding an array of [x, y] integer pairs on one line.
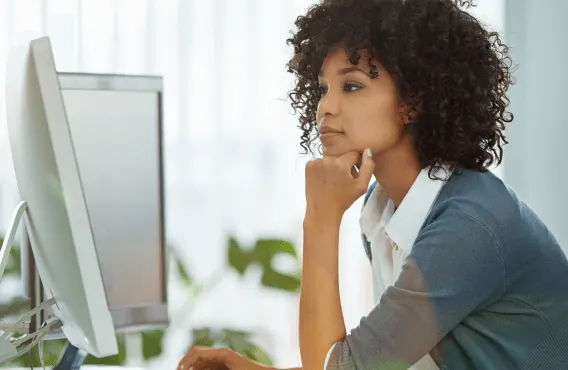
{"points": [[202, 358]]}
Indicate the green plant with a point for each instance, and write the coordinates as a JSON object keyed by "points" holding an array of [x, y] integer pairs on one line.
{"points": [[239, 259]]}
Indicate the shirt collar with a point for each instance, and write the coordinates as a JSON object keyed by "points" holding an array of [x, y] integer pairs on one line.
{"points": [[403, 225]]}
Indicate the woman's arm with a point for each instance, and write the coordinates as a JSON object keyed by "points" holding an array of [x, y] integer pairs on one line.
{"points": [[455, 267], [331, 188], [321, 318]]}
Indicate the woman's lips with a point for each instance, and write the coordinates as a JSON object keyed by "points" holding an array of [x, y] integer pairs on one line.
{"points": [[327, 136]]}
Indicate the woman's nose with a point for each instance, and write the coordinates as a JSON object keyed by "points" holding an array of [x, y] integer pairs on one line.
{"points": [[329, 104]]}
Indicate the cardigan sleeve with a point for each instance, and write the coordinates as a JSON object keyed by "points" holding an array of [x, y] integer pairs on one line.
{"points": [[455, 267]]}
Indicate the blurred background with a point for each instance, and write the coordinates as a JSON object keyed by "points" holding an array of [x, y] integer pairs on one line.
{"points": [[232, 155]]}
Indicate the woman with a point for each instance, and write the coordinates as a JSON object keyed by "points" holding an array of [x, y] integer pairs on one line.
{"points": [[466, 276]]}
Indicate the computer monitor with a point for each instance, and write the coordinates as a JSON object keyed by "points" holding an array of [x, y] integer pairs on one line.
{"points": [[58, 220], [116, 125]]}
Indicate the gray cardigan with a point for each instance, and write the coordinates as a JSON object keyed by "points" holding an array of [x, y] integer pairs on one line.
{"points": [[485, 287]]}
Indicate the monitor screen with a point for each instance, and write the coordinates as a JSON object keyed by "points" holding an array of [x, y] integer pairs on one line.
{"points": [[116, 125]]}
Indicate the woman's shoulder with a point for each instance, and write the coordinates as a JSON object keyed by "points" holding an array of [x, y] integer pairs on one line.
{"points": [[482, 196], [490, 204]]}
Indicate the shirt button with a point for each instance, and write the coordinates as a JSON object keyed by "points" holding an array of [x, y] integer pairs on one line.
{"points": [[395, 247]]}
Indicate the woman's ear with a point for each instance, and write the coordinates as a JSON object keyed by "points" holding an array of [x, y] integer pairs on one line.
{"points": [[407, 114], [410, 112], [411, 116]]}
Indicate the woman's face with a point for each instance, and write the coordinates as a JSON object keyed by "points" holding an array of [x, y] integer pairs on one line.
{"points": [[364, 112]]}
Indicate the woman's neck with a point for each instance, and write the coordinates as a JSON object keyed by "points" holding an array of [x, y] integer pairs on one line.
{"points": [[396, 170]]}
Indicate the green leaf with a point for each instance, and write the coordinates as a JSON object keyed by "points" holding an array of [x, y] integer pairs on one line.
{"points": [[263, 254], [268, 248], [183, 273], [276, 280], [203, 337], [235, 339], [181, 269], [152, 343], [238, 258], [258, 355], [266, 251]]}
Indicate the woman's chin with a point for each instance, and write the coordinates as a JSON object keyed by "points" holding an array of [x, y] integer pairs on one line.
{"points": [[332, 152]]}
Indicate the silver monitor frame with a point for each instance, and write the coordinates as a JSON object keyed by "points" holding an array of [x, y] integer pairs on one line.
{"points": [[128, 318]]}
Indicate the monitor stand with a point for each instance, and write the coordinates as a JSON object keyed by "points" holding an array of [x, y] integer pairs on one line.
{"points": [[10, 236], [72, 358]]}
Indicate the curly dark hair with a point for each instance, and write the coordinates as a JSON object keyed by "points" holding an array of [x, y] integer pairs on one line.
{"points": [[450, 71]]}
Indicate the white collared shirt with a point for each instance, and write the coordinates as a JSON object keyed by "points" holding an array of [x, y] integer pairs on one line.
{"points": [[391, 235]]}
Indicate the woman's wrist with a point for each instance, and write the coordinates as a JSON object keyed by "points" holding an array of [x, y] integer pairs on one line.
{"points": [[314, 219]]}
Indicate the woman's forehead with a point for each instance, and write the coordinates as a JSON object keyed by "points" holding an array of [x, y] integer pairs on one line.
{"points": [[339, 58]]}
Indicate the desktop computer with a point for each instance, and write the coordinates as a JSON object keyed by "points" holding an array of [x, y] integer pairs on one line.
{"points": [[116, 123], [53, 206], [87, 152]]}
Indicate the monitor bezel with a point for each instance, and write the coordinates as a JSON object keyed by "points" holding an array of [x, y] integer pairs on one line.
{"points": [[133, 318]]}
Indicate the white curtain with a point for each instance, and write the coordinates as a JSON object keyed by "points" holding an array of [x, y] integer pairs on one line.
{"points": [[232, 146]]}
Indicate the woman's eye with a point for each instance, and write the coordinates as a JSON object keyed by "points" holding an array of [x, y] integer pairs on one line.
{"points": [[351, 87], [348, 87]]}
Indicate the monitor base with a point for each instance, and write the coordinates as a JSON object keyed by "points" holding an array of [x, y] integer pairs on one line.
{"points": [[72, 358]]}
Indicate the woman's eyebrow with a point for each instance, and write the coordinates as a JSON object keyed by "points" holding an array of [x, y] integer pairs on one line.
{"points": [[346, 70]]}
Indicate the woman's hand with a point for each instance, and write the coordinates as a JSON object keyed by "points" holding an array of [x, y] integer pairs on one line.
{"points": [[331, 185], [205, 358]]}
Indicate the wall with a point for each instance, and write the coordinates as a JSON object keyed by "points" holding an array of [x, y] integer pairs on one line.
{"points": [[535, 160]]}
